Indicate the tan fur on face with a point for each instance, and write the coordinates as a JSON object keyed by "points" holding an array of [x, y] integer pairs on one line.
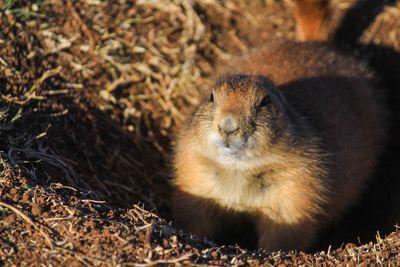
{"points": [[237, 105]]}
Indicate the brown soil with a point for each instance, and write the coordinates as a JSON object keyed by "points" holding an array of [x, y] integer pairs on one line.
{"points": [[91, 93]]}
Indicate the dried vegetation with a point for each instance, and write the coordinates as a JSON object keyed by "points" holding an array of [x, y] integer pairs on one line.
{"points": [[91, 93]]}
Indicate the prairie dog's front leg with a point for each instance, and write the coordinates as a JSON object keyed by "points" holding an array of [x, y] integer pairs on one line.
{"points": [[196, 215], [279, 236]]}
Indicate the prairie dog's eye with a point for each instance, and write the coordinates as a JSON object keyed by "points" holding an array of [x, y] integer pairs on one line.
{"points": [[211, 99], [265, 101]]}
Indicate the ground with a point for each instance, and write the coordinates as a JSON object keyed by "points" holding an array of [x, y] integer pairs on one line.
{"points": [[92, 93]]}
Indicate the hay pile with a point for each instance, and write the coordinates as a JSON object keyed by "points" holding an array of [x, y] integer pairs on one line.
{"points": [[91, 93]]}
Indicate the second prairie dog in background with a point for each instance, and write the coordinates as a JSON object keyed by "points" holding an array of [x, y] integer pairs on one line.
{"points": [[288, 139], [313, 18]]}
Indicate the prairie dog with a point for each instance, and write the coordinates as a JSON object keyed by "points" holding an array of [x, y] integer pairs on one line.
{"points": [[313, 18], [288, 137]]}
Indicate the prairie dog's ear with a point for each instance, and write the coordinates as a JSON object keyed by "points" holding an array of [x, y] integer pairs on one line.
{"points": [[283, 106], [312, 19]]}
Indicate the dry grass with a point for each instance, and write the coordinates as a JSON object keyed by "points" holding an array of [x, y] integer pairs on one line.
{"points": [[91, 93]]}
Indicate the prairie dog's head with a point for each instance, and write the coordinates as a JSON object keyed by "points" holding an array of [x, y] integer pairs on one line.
{"points": [[246, 116]]}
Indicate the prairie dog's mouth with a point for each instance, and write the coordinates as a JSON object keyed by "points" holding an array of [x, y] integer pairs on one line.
{"points": [[228, 146], [229, 152], [241, 154]]}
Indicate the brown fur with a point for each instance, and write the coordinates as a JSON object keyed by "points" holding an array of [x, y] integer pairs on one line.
{"points": [[309, 152], [313, 19]]}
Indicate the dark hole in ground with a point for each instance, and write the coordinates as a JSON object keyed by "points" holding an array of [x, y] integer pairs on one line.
{"points": [[85, 149]]}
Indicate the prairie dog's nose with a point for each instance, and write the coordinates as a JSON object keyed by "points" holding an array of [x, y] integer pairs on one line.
{"points": [[228, 125]]}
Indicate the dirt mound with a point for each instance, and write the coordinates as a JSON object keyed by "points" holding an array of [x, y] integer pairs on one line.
{"points": [[91, 93]]}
